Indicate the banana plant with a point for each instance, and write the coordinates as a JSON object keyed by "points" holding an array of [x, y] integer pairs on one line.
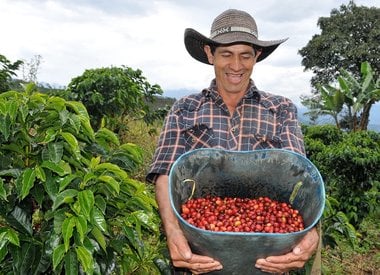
{"points": [[332, 101], [360, 94]]}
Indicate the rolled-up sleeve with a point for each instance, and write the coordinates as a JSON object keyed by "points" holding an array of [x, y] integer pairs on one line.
{"points": [[291, 134]]}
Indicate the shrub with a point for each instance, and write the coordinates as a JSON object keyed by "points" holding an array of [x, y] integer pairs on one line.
{"points": [[349, 165], [67, 202]]}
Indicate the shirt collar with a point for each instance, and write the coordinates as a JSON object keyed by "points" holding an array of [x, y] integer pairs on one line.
{"points": [[252, 91]]}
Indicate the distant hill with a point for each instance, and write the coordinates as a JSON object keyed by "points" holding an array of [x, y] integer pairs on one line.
{"points": [[178, 93], [374, 123]]}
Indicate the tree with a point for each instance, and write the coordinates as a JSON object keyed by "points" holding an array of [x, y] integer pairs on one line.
{"points": [[30, 68], [348, 37], [7, 70], [113, 93]]}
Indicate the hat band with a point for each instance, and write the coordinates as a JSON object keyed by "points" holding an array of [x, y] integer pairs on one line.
{"points": [[232, 29]]}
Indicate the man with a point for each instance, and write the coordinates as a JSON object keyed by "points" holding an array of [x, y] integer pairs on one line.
{"points": [[231, 114]]}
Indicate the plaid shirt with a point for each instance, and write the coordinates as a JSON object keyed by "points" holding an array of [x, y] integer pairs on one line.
{"points": [[260, 121]]}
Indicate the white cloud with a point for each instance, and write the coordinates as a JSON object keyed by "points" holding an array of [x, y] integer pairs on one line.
{"points": [[72, 36]]}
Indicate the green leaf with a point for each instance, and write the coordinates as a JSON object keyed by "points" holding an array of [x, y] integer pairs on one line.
{"points": [[78, 108], [85, 258], [56, 103], [40, 173], [71, 263], [67, 231], [134, 151], [13, 148], [101, 203], [50, 135], [58, 254], [2, 108], [3, 237], [53, 167], [3, 193], [12, 108], [21, 220], [133, 238], [111, 168], [111, 182], [98, 219], [27, 257], [3, 252], [86, 202], [28, 178], [50, 185], [23, 111], [53, 152], [5, 126], [88, 177], [107, 135], [14, 173], [74, 121], [9, 94], [81, 226], [76, 208], [81, 110], [12, 236], [148, 219], [94, 162], [72, 141], [99, 238], [66, 181], [59, 217], [65, 196]]}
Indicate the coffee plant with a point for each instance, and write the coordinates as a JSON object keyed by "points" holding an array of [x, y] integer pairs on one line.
{"points": [[67, 202], [348, 162]]}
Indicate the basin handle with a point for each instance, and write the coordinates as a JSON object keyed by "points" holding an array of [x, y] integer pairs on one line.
{"points": [[193, 188], [296, 188]]}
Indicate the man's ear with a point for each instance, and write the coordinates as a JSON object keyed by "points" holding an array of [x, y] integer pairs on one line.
{"points": [[258, 53], [210, 56]]}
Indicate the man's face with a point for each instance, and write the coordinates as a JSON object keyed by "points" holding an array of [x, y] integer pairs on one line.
{"points": [[233, 66]]}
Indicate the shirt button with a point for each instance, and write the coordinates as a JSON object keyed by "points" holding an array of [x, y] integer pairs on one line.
{"points": [[193, 140]]}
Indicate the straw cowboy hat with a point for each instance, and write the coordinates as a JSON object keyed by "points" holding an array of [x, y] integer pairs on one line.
{"points": [[231, 26]]}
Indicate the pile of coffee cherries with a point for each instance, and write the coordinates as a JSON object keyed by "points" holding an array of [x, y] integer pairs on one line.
{"points": [[242, 215]]}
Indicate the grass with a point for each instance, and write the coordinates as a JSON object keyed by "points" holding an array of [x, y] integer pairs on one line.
{"points": [[362, 260], [146, 137]]}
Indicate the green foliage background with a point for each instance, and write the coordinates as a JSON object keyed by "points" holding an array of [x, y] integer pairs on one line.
{"points": [[67, 201]]}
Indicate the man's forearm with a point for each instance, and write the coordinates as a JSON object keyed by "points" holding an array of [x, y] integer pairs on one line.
{"points": [[168, 217]]}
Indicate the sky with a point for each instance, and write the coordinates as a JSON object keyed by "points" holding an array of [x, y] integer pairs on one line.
{"points": [[74, 35]]}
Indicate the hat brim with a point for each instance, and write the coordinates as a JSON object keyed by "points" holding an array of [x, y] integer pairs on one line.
{"points": [[195, 42]]}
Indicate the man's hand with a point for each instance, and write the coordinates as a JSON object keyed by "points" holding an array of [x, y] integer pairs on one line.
{"points": [[182, 256], [293, 260], [179, 249]]}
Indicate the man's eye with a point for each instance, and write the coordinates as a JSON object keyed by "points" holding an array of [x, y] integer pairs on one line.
{"points": [[247, 56]]}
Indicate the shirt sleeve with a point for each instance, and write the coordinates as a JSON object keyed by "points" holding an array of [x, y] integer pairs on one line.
{"points": [[291, 134], [170, 146]]}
